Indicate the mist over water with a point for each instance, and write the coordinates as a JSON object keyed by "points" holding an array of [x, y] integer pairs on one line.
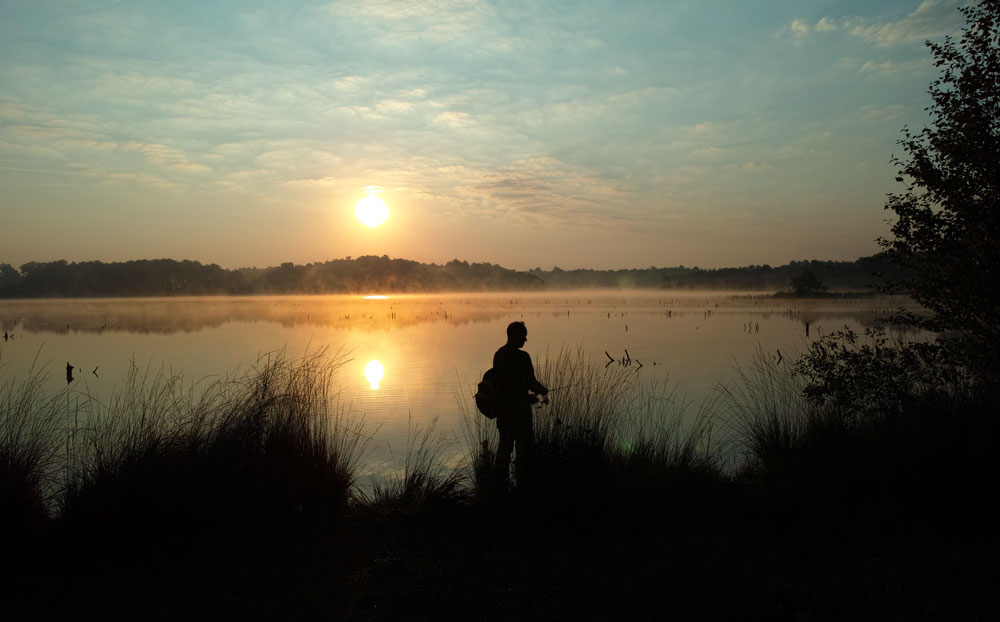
{"points": [[428, 351]]}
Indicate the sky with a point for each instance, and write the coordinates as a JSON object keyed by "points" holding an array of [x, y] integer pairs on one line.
{"points": [[529, 134]]}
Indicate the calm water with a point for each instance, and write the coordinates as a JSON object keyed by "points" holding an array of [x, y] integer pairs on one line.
{"points": [[432, 349]]}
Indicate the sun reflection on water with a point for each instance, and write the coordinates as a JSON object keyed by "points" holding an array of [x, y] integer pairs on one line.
{"points": [[374, 372]]}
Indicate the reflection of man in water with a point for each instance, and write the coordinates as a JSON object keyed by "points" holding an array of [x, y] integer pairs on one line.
{"points": [[515, 377]]}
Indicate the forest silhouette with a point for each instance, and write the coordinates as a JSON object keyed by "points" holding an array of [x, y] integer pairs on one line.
{"points": [[168, 277]]}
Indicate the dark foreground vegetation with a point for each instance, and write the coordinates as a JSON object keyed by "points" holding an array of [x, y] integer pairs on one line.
{"points": [[167, 277], [242, 502]]}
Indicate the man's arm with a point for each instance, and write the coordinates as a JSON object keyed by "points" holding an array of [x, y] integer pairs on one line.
{"points": [[533, 384]]}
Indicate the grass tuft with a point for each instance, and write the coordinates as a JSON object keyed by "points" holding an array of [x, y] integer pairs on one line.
{"points": [[422, 480], [30, 438], [266, 447]]}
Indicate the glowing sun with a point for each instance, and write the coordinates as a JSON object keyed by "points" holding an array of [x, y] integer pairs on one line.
{"points": [[371, 210]]}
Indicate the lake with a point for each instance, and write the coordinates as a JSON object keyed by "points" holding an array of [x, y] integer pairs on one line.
{"points": [[431, 349]]}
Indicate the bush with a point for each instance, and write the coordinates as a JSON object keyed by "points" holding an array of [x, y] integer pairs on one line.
{"points": [[875, 374]]}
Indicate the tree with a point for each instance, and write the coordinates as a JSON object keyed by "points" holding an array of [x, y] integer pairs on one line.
{"points": [[9, 276], [947, 234], [807, 284]]}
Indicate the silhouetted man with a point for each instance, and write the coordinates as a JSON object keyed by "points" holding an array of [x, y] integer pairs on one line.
{"points": [[515, 378]]}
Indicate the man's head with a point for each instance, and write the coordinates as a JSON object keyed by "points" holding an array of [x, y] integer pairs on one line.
{"points": [[517, 334]]}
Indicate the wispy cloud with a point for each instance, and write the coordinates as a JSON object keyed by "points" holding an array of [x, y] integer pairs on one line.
{"points": [[800, 28], [40, 170], [932, 19], [892, 68], [880, 114], [543, 191], [825, 24]]}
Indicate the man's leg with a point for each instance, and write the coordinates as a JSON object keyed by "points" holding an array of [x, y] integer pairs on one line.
{"points": [[504, 449], [525, 440]]}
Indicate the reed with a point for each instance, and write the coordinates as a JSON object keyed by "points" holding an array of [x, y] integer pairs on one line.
{"points": [[270, 445], [238, 486], [766, 414], [31, 426], [603, 433], [846, 467], [421, 479]]}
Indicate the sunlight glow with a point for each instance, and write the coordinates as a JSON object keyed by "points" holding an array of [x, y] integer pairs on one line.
{"points": [[376, 297], [374, 372], [371, 210]]}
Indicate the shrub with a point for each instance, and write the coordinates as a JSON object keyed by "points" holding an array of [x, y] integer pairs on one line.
{"points": [[875, 374]]}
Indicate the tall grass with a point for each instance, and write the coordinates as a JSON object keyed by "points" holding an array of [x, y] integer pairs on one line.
{"points": [[421, 479], [855, 469], [31, 425], [604, 436], [263, 447], [766, 413], [271, 446]]}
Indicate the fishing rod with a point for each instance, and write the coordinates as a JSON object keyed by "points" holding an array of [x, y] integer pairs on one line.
{"points": [[545, 399]]}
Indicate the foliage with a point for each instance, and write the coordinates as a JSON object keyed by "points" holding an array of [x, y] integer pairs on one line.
{"points": [[873, 374], [866, 452], [948, 229], [807, 284]]}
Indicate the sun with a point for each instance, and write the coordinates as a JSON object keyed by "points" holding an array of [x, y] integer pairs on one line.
{"points": [[372, 210]]}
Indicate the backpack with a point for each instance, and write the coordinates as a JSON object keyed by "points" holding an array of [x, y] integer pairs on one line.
{"points": [[486, 398]]}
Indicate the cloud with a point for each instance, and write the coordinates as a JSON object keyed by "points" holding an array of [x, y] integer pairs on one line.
{"points": [[885, 68], [799, 29], [880, 114], [142, 179], [890, 68], [932, 19], [825, 25], [542, 191], [402, 22], [351, 83], [40, 170], [453, 119], [707, 151], [164, 155]]}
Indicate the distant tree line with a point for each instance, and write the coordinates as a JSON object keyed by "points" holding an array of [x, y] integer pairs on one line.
{"points": [[862, 274], [168, 277]]}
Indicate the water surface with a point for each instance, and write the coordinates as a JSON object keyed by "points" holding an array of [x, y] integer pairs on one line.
{"points": [[432, 349]]}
